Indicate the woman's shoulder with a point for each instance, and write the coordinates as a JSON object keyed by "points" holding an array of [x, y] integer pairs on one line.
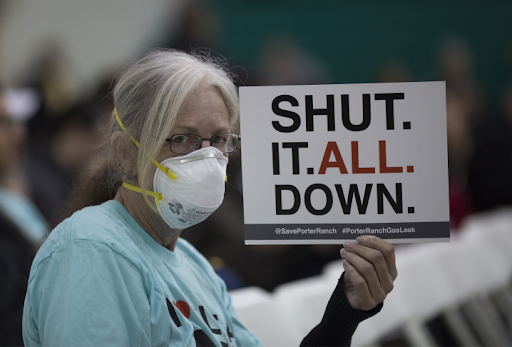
{"points": [[94, 222], [194, 257], [101, 224]]}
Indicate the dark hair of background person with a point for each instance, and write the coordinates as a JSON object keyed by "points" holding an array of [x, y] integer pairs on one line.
{"points": [[53, 164], [88, 186]]}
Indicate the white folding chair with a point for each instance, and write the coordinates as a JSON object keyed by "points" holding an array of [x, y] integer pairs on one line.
{"points": [[304, 301], [259, 312], [422, 291], [405, 307], [489, 239]]}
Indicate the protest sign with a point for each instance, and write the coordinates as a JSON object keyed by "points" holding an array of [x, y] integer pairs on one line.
{"points": [[324, 164]]}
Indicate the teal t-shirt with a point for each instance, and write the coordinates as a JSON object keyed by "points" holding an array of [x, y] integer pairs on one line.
{"points": [[101, 280]]}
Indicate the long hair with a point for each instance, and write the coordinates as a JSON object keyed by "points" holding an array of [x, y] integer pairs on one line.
{"points": [[148, 97]]}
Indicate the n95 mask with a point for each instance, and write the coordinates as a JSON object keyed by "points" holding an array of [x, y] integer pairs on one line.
{"points": [[197, 191]]}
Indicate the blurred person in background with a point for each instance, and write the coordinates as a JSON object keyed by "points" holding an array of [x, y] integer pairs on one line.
{"points": [[118, 272], [198, 27], [60, 133], [457, 67], [54, 80], [22, 228], [465, 103], [284, 62], [491, 166], [52, 167], [460, 153]]}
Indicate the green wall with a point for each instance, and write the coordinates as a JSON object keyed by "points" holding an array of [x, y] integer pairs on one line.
{"points": [[353, 38]]}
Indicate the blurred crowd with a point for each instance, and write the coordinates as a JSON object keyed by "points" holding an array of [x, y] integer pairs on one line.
{"points": [[49, 134]]}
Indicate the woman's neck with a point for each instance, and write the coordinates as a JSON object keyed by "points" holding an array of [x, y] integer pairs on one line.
{"points": [[152, 224]]}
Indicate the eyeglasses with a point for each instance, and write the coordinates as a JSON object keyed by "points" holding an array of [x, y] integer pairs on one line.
{"points": [[187, 143]]}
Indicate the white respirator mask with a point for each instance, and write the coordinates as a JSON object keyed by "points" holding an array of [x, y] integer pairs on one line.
{"points": [[197, 191], [188, 188]]}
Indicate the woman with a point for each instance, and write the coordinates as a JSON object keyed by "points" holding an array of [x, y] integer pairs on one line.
{"points": [[118, 273]]}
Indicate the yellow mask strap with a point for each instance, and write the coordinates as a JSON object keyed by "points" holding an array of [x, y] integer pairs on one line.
{"points": [[156, 195], [171, 175]]}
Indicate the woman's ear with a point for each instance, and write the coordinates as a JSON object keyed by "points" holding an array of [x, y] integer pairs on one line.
{"points": [[124, 156]]}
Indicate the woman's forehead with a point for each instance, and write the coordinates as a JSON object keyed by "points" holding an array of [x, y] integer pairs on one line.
{"points": [[204, 97], [203, 109]]}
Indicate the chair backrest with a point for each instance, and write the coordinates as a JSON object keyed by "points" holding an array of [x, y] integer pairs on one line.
{"points": [[304, 301], [259, 312], [491, 256]]}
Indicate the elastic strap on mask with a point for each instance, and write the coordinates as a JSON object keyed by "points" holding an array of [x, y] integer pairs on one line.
{"points": [[171, 175], [156, 195]]}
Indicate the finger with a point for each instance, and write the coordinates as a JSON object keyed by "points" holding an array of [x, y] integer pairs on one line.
{"points": [[369, 274], [376, 259], [386, 248], [364, 297]]}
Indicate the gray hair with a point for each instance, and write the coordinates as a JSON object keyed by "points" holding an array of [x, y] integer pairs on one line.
{"points": [[150, 93]]}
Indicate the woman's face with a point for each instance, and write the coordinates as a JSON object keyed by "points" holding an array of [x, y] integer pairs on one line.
{"points": [[204, 114]]}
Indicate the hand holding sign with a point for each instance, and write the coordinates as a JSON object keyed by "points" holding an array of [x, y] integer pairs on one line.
{"points": [[370, 270]]}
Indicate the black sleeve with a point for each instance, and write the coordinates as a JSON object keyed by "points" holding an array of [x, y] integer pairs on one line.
{"points": [[339, 322]]}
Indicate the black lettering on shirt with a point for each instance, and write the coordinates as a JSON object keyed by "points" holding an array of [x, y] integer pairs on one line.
{"points": [[173, 314]]}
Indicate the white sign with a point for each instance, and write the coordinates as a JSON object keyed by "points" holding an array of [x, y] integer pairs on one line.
{"points": [[324, 164]]}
